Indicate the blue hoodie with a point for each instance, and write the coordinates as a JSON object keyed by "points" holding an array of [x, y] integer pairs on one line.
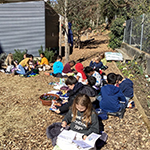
{"points": [[126, 87], [111, 97], [57, 67]]}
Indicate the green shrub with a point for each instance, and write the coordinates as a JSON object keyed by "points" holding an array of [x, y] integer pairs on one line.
{"points": [[18, 55], [49, 54], [116, 35]]}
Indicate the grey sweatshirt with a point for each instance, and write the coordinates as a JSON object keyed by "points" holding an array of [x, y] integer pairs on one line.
{"points": [[80, 126]]}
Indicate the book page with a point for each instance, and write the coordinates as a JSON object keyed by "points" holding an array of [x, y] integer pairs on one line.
{"points": [[67, 135], [89, 142], [91, 139], [82, 144]]}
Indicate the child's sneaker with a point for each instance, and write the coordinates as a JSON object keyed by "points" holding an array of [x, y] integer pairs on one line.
{"points": [[131, 104]]}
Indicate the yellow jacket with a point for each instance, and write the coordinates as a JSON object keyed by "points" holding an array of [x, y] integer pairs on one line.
{"points": [[104, 61], [44, 61], [25, 62]]}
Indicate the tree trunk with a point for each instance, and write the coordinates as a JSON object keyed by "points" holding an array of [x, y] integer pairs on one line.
{"points": [[66, 34], [60, 34]]}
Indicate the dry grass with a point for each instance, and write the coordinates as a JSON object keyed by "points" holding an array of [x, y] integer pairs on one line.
{"points": [[23, 119]]}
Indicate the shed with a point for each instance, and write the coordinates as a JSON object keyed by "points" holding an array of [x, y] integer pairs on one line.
{"points": [[28, 25]]}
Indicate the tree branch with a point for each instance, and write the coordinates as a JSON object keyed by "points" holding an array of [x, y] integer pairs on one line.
{"points": [[126, 2]]}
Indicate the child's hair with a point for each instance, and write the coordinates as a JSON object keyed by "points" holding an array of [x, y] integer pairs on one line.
{"points": [[119, 77], [31, 56], [59, 57], [111, 78], [71, 80], [27, 55], [10, 55], [102, 55], [85, 101], [91, 80], [98, 59], [43, 54], [72, 61], [88, 69]]}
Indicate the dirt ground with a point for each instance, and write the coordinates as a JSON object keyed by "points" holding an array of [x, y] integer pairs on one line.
{"points": [[23, 119]]}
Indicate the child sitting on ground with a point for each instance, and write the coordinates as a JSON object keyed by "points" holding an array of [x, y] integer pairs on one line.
{"points": [[24, 63], [81, 117], [89, 71], [112, 98], [89, 90], [67, 68], [104, 61], [44, 64], [12, 68], [96, 63], [9, 60], [57, 68], [74, 87], [126, 86], [81, 77]]}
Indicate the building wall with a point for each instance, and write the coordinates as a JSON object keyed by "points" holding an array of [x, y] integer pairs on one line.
{"points": [[22, 26], [51, 27]]}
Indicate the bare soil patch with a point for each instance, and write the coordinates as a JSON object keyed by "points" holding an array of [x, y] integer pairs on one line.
{"points": [[23, 119]]}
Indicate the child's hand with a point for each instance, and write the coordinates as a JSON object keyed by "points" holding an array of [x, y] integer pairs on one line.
{"points": [[93, 59], [57, 111], [53, 107], [64, 124], [84, 137], [64, 101]]}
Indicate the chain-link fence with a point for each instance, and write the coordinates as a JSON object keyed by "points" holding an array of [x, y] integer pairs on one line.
{"points": [[137, 32]]}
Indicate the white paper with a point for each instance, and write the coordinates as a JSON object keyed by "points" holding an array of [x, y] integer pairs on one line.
{"points": [[113, 56], [67, 135], [73, 140], [53, 92]]}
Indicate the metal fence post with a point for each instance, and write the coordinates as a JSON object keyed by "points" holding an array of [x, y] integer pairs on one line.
{"points": [[130, 33], [124, 34], [141, 42]]}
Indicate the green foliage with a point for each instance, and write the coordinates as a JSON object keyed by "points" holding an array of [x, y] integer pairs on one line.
{"points": [[18, 55], [148, 103], [130, 69], [49, 54], [116, 35]]}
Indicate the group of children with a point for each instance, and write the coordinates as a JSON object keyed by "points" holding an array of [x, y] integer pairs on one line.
{"points": [[12, 66], [26, 65], [86, 87]]}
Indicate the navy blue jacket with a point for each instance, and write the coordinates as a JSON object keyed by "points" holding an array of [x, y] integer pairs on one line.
{"points": [[111, 97], [96, 65], [126, 87], [79, 88], [72, 94]]}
